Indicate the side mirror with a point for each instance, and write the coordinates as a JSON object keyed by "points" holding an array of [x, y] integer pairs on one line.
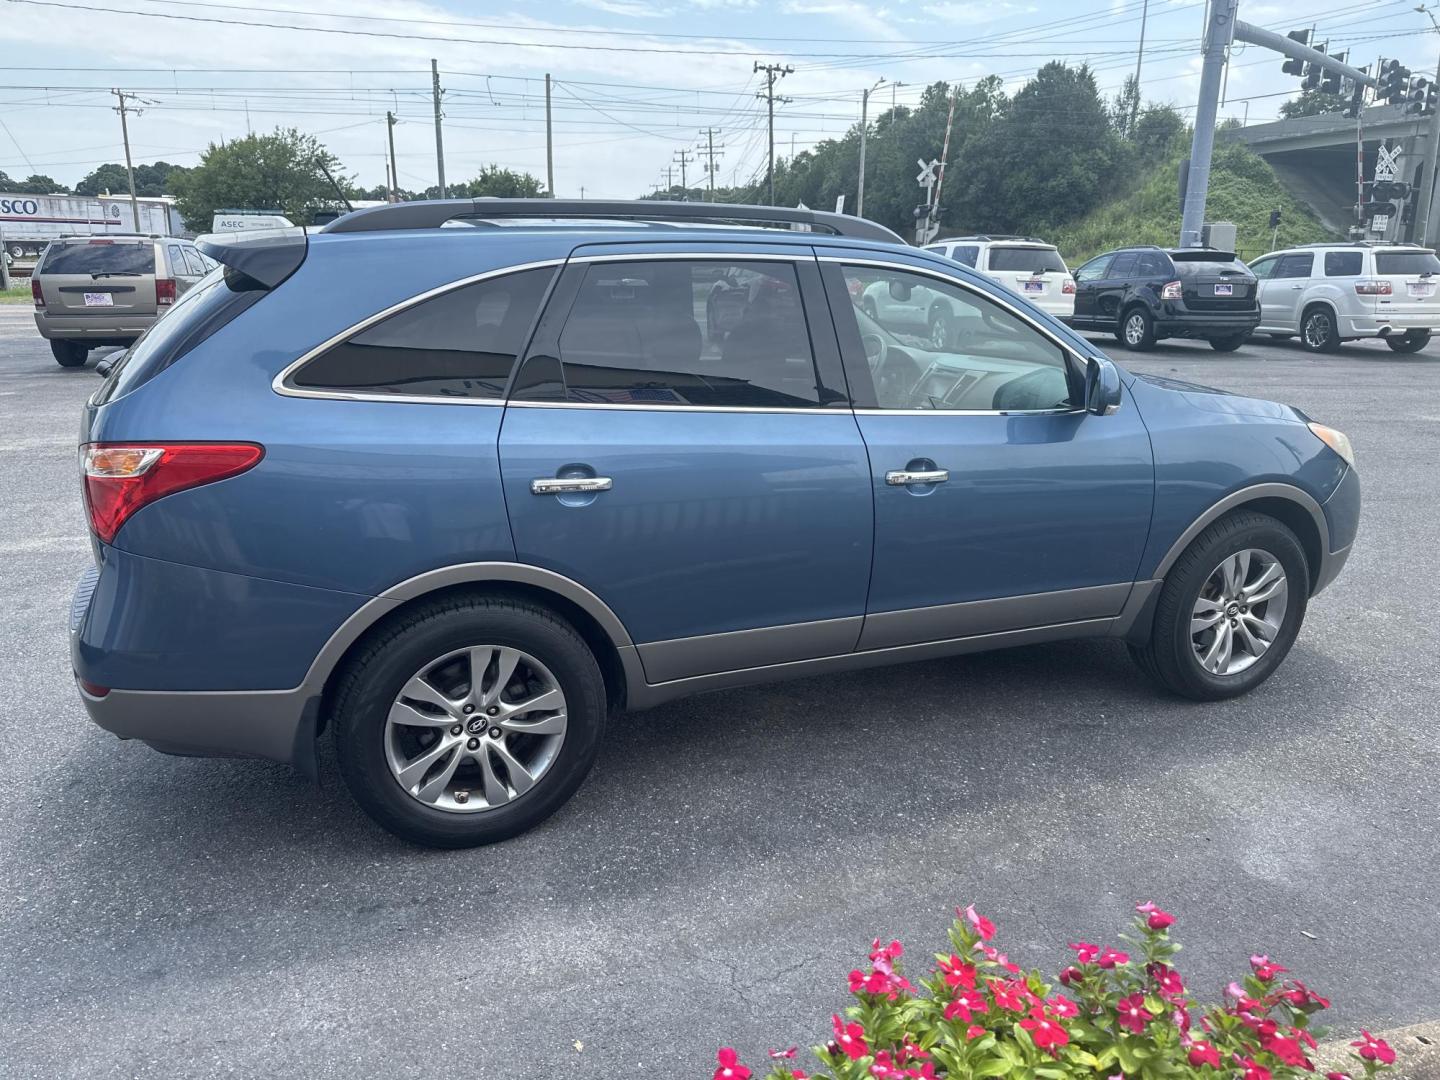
{"points": [[900, 290], [1102, 387]]}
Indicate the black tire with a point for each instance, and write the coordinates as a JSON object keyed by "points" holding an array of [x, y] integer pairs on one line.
{"points": [[69, 353], [1229, 344], [374, 676], [942, 330], [1411, 342], [1318, 332], [1136, 329], [1168, 657]]}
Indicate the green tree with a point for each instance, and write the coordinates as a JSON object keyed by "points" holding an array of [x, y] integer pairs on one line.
{"points": [[1314, 103], [39, 184], [282, 171], [493, 182], [150, 180]]}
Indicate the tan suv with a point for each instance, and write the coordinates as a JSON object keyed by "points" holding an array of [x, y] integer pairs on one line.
{"points": [[91, 291]]}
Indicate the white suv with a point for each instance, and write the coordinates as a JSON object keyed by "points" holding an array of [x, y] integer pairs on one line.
{"points": [[1032, 268], [1330, 293]]}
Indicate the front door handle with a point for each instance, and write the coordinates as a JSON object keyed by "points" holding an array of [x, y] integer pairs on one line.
{"points": [[906, 477], [569, 485]]}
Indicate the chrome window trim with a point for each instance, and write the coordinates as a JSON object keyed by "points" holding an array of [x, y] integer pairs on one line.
{"points": [[814, 410], [1065, 348], [805, 255], [280, 383]]}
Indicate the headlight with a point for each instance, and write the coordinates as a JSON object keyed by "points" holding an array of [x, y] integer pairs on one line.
{"points": [[1336, 440]]}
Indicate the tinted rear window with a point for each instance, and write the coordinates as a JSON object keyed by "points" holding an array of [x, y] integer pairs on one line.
{"points": [[100, 258], [1342, 263], [200, 312], [1035, 260], [1406, 262], [1199, 263]]}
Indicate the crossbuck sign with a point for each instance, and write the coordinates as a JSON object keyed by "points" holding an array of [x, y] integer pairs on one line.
{"points": [[1387, 162]]}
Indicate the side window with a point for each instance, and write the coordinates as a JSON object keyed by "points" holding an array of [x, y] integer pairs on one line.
{"points": [[1095, 269], [1152, 264], [727, 334], [193, 261], [460, 344], [177, 260], [1124, 265], [971, 355], [1263, 268], [966, 253], [1343, 263], [1295, 266]]}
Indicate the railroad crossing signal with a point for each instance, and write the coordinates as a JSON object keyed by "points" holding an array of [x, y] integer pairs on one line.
{"points": [[1387, 162]]}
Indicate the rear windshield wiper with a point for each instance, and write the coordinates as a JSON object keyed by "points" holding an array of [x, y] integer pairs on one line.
{"points": [[115, 273]]}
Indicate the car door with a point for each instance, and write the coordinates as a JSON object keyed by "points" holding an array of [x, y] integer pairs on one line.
{"points": [[1087, 281], [1283, 292], [1110, 293], [711, 488], [1263, 269], [999, 503]]}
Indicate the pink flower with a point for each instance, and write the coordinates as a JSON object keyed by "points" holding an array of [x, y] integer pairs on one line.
{"points": [[1372, 1049], [965, 1005], [1133, 1013], [777, 1054], [1071, 975], [1244, 1003], [1014, 996], [850, 1038], [1061, 1006], [1110, 957], [1156, 919], [1337, 1076], [1304, 1036], [958, 973], [1181, 1019], [1286, 1049], [1045, 1032], [890, 952], [1203, 1053], [1252, 1070], [1085, 952], [730, 1067], [1167, 980], [974, 1031], [982, 926], [1265, 968], [995, 956], [1302, 997]]}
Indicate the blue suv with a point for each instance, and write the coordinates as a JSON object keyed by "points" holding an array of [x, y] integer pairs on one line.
{"points": [[459, 481]]}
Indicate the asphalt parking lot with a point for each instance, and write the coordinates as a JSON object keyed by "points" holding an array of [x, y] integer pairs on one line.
{"points": [[731, 856]]}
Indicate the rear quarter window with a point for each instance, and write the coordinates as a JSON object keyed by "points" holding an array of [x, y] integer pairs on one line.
{"points": [[1406, 262], [99, 257], [1343, 263]]}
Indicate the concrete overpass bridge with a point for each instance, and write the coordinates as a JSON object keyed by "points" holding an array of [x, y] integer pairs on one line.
{"points": [[1314, 156]]}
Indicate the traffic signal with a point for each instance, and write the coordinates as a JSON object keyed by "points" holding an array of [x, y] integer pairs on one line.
{"points": [[1416, 96], [1357, 97], [1293, 66], [1274, 219], [1374, 209], [1432, 98], [1313, 72], [1394, 81], [1330, 81]]}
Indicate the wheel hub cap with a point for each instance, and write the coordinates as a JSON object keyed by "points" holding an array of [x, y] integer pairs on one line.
{"points": [[503, 701], [1239, 612]]}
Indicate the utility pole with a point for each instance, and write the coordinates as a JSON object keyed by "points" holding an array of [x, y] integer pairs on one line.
{"points": [[709, 134], [1140, 59], [129, 168], [864, 127], [439, 138], [1219, 28], [549, 144], [772, 72], [1425, 198], [684, 159], [394, 171]]}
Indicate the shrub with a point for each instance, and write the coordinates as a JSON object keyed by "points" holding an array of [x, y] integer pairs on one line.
{"points": [[1116, 1016]]}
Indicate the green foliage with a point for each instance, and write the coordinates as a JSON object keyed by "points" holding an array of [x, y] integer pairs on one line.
{"points": [[35, 184], [1315, 102], [150, 180], [493, 182], [281, 171], [1243, 189]]}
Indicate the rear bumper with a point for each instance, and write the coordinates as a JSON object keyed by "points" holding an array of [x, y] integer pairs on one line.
{"points": [[90, 327], [1224, 324], [1383, 323]]}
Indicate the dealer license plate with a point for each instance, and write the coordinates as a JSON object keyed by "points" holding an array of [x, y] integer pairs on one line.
{"points": [[1224, 290], [99, 299], [1034, 286], [1421, 288]]}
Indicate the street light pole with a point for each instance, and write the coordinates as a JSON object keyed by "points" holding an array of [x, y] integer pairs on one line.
{"points": [[1425, 205], [864, 125]]}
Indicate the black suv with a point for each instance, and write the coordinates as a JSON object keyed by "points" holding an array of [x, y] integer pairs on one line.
{"points": [[1143, 294]]}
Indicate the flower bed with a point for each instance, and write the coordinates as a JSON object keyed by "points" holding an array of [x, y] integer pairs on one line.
{"points": [[1113, 1017]]}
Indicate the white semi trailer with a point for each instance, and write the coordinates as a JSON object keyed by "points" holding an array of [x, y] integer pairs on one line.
{"points": [[29, 222]]}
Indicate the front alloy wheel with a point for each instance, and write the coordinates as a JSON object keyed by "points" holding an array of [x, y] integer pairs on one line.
{"points": [[475, 729], [1239, 612]]}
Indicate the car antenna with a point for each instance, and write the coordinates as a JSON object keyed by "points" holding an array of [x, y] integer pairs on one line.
{"points": [[338, 189]]}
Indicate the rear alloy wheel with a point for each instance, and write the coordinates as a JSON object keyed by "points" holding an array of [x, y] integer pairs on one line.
{"points": [[469, 720], [69, 353], [1137, 330], [1229, 610], [1412, 341], [941, 330], [1318, 332], [1229, 344]]}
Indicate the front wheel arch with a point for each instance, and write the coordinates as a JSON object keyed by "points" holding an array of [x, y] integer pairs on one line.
{"points": [[1289, 505]]}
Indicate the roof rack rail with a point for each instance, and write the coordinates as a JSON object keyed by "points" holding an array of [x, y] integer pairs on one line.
{"points": [[994, 236], [432, 213]]}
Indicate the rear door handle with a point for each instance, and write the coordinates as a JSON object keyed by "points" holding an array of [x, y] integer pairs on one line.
{"points": [[906, 477], [569, 485]]}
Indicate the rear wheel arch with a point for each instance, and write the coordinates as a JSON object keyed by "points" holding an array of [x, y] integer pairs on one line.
{"points": [[1328, 307]]}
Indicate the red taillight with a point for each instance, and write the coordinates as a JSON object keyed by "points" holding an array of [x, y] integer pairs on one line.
{"points": [[35, 293], [1172, 291], [164, 290], [1067, 286], [1371, 287], [119, 480], [93, 689]]}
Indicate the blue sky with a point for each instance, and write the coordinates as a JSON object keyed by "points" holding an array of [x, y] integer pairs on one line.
{"points": [[635, 81]]}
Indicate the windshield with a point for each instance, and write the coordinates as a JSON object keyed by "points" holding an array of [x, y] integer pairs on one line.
{"points": [[1037, 260], [100, 257], [1406, 262]]}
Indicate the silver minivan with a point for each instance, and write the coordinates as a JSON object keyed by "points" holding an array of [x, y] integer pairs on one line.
{"points": [[91, 290]]}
